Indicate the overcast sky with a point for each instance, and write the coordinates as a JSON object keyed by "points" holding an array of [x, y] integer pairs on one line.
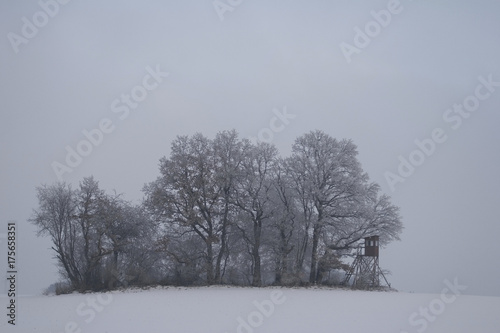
{"points": [[143, 72]]}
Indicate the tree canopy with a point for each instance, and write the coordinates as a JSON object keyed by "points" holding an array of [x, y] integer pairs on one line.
{"points": [[222, 210]]}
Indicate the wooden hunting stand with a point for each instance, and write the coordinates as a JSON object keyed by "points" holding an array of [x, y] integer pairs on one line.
{"points": [[365, 268]]}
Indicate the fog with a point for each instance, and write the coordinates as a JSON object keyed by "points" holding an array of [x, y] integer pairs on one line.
{"points": [[415, 85]]}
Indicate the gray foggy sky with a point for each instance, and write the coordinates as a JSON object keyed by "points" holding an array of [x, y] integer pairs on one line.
{"points": [[232, 73]]}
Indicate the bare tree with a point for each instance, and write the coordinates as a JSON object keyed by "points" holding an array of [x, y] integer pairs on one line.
{"points": [[284, 223], [130, 234], [72, 219], [229, 154], [90, 216], [329, 182], [192, 193], [252, 196], [90, 230], [54, 217]]}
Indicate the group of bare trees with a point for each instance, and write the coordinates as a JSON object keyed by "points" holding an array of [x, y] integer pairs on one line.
{"points": [[99, 240], [223, 210]]}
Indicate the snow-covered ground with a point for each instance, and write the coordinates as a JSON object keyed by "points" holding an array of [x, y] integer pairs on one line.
{"points": [[248, 310]]}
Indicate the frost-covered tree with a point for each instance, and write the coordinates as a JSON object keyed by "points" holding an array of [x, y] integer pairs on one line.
{"points": [[335, 197], [95, 236], [285, 226], [131, 236], [55, 218], [252, 198], [193, 193]]}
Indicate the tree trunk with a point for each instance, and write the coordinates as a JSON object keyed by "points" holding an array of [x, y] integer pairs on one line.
{"points": [[223, 241], [314, 254], [301, 253], [282, 256], [256, 278], [114, 279], [209, 261]]}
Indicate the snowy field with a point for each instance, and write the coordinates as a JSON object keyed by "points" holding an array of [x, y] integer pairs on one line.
{"points": [[248, 310]]}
